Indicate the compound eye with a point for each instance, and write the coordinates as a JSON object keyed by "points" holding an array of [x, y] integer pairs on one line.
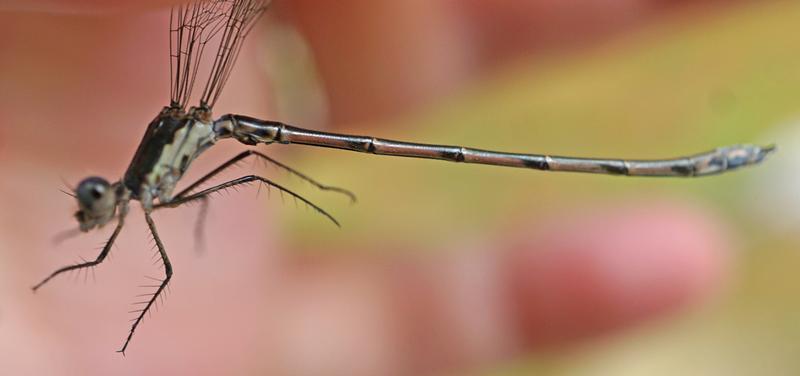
{"points": [[90, 190], [97, 192]]}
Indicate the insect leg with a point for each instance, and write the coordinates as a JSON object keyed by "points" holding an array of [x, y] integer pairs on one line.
{"points": [[200, 224], [202, 195], [243, 155], [123, 211], [161, 287]]}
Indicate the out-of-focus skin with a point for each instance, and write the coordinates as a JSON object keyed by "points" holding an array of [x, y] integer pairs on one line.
{"points": [[251, 306], [431, 48]]}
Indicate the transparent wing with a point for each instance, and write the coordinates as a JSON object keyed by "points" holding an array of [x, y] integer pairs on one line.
{"points": [[220, 24]]}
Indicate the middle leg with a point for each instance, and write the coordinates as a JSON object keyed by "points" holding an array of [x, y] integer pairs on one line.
{"points": [[161, 287]]}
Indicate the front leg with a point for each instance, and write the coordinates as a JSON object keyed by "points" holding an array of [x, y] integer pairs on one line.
{"points": [[123, 211]]}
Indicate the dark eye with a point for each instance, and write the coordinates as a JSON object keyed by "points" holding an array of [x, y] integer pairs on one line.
{"points": [[97, 192], [91, 190]]}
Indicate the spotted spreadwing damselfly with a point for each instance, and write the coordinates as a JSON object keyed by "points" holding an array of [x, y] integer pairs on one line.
{"points": [[179, 134]]}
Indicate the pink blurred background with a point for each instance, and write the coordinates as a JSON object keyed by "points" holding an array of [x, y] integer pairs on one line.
{"points": [[439, 268]]}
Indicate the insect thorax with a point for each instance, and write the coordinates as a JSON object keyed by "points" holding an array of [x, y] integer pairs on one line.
{"points": [[172, 141]]}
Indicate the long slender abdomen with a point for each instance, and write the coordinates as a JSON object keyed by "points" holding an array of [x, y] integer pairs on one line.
{"points": [[252, 131]]}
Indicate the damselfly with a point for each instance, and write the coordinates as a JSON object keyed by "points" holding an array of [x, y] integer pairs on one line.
{"points": [[178, 135]]}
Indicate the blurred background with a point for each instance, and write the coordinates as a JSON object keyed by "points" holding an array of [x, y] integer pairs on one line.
{"points": [[439, 268]]}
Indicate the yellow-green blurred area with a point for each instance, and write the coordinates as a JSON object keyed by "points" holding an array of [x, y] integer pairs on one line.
{"points": [[682, 85]]}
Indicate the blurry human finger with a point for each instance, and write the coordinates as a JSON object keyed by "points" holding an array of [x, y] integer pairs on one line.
{"points": [[610, 268], [379, 58], [511, 28], [383, 58]]}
